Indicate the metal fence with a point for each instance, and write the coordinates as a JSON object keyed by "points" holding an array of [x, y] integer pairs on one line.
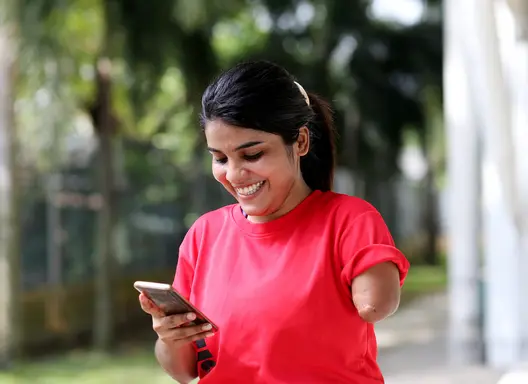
{"points": [[59, 221]]}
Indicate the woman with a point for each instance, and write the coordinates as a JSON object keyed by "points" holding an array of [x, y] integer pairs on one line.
{"points": [[294, 275]]}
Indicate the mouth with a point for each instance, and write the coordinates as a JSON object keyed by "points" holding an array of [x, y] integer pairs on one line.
{"points": [[250, 189]]}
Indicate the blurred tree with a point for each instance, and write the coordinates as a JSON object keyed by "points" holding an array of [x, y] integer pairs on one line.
{"points": [[47, 29], [393, 68], [150, 39], [105, 126], [164, 53], [432, 143], [376, 73], [10, 327], [162, 34]]}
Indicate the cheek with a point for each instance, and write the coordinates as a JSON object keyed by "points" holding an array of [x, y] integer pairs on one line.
{"points": [[219, 173], [284, 175]]}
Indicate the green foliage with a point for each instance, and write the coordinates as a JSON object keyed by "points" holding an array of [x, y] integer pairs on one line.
{"points": [[384, 80], [136, 366], [425, 279], [167, 51], [236, 38]]}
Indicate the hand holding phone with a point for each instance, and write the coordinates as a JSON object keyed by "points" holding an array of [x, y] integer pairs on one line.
{"points": [[174, 319], [174, 329]]}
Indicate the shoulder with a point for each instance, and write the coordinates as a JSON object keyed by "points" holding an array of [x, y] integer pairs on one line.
{"points": [[216, 215], [350, 216], [211, 221], [199, 234], [346, 207]]}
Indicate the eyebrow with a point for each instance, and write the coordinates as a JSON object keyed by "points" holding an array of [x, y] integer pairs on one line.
{"points": [[242, 146]]}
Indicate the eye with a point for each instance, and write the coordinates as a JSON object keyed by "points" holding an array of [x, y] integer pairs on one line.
{"points": [[254, 157], [222, 160]]}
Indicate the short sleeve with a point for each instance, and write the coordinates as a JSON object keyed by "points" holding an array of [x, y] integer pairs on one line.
{"points": [[187, 256], [365, 241], [184, 275]]}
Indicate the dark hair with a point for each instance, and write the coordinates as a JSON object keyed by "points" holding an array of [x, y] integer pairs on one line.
{"points": [[263, 96]]}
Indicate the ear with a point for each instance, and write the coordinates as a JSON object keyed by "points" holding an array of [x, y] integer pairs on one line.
{"points": [[303, 141]]}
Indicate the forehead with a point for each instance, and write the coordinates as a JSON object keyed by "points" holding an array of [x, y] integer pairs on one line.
{"points": [[227, 137]]}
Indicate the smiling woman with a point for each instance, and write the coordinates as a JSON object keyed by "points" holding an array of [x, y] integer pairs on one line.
{"points": [[275, 134], [257, 169], [294, 275]]}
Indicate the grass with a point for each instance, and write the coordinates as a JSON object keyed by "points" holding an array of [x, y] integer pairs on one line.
{"points": [[134, 367], [138, 365], [424, 279]]}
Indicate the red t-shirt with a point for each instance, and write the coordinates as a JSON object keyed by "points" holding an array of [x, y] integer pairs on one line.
{"points": [[280, 292]]}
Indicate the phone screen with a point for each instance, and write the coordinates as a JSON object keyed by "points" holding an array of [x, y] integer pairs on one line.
{"points": [[171, 304]]}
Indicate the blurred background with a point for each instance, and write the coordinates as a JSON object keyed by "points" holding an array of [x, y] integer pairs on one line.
{"points": [[103, 168]]}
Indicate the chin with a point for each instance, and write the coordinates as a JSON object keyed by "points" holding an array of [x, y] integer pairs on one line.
{"points": [[254, 210]]}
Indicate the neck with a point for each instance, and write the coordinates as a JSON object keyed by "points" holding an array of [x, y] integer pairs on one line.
{"points": [[297, 194]]}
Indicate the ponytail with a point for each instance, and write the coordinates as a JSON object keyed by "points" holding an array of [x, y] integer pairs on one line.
{"points": [[318, 165]]}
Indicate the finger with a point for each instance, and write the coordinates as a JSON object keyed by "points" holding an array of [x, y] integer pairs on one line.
{"points": [[148, 306], [182, 335], [185, 332], [174, 321], [190, 339], [145, 303]]}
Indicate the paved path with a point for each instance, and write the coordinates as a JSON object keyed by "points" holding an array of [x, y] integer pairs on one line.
{"points": [[413, 347]]}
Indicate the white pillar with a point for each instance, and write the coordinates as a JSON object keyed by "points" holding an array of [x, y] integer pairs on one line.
{"points": [[463, 189], [493, 54], [515, 54]]}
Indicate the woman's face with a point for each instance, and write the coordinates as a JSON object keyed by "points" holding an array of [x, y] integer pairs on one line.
{"points": [[257, 168]]}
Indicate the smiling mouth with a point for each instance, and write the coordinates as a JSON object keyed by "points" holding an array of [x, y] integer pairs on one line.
{"points": [[250, 190]]}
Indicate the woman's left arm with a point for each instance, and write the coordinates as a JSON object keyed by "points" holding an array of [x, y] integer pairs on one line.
{"points": [[374, 270], [376, 292]]}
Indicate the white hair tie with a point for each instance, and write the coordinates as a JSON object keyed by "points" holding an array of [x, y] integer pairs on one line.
{"points": [[303, 92]]}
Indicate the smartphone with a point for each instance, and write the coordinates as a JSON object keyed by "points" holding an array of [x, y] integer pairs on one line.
{"points": [[170, 301]]}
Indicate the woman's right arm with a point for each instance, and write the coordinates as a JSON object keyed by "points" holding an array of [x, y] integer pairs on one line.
{"points": [[178, 362], [174, 349]]}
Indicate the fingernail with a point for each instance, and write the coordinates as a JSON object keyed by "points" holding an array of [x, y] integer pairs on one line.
{"points": [[191, 316], [209, 334], [207, 327]]}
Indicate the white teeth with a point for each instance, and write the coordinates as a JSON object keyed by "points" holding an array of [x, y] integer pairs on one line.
{"points": [[247, 191]]}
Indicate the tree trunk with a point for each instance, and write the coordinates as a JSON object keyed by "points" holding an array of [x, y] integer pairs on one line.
{"points": [[104, 258], [430, 218], [9, 225]]}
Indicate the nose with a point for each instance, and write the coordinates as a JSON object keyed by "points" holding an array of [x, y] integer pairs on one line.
{"points": [[235, 173]]}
